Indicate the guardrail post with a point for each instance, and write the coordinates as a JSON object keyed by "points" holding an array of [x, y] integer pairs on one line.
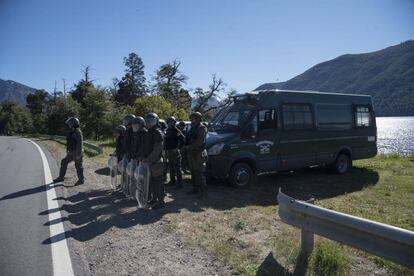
{"points": [[307, 238]]}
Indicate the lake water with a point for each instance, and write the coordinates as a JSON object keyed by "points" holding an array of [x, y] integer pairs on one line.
{"points": [[395, 134]]}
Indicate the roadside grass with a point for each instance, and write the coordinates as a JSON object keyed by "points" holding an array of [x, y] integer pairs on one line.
{"points": [[329, 258], [108, 148], [242, 228], [380, 189]]}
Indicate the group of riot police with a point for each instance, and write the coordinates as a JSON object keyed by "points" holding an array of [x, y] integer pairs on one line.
{"points": [[143, 140], [147, 142]]}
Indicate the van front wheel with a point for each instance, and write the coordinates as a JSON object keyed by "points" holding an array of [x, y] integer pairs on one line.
{"points": [[241, 175], [342, 164]]}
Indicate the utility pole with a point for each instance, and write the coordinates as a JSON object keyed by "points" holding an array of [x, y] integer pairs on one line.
{"points": [[54, 92], [64, 87]]}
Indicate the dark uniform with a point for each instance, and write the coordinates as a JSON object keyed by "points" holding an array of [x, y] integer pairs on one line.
{"points": [[174, 139], [137, 146], [153, 146], [74, 149], [197, 156], [128, 142]]}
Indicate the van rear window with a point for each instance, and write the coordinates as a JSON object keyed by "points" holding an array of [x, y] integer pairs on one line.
{"points": [[362, 116], [297, 116]]}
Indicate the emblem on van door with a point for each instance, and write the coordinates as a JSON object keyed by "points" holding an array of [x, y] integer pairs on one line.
{"points": [[264, 146]]}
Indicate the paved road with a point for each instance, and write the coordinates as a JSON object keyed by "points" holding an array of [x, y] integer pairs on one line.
{"points": [[23, 210]]}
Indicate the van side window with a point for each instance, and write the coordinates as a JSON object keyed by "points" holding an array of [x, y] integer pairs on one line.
{"points": [[362, 116], [334, 116], [267, 119], [297, 116]]}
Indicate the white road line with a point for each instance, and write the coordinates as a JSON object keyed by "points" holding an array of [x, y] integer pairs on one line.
{"points": [[62, 264]]}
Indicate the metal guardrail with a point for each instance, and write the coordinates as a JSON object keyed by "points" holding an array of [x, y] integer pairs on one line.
{"points": [[88, 145], [389, 242]]}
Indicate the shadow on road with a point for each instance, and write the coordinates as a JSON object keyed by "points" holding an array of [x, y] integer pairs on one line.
{"points": [[103, 171], [38, 189], [93, 212]]}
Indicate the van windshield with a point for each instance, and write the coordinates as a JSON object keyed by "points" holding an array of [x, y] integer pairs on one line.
{"points": [[231, 120]]}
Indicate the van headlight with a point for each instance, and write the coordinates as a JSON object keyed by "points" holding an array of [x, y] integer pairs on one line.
{"points": [[215, 149]]}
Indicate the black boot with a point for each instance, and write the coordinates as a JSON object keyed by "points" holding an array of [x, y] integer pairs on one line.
{"points": [[59, 179], [158, 205]]}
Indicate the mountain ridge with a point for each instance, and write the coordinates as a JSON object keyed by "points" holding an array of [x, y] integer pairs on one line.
{"points": [[14, 91], [387, 75]]}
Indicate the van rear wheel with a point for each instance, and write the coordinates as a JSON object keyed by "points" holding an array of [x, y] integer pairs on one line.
{"points": [[241, 175], [342, 164]]}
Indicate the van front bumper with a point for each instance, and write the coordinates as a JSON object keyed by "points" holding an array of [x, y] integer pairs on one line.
{"points": [[219, 166]]}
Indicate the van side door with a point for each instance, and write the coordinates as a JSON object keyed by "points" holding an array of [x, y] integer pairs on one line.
{"points": [[297, 136], [267, 139]]}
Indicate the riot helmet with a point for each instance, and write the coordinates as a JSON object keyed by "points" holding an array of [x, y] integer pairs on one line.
{"points": [[73, 122], [128, 119], [181, 125], [162, 124], [171, 121], [196, 117], [120, 129], [138, 123], [151, 119]]}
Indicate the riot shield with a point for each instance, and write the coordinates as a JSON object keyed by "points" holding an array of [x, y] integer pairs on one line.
{"points": [[130, 190], [142, 175], [113, 171], [122, 169]]}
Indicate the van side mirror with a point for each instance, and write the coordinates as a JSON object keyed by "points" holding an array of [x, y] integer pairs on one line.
{"points": [[248, 132]]}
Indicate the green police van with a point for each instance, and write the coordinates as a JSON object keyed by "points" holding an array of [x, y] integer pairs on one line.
{"points": [[279, 130]]}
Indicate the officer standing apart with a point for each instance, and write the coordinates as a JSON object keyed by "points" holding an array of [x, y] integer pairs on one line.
{"points": [[174, 139], [153, 147], [74, 149], [197, 154]]}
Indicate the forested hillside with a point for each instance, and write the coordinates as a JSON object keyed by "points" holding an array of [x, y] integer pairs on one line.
{"points": [[387, 75]]}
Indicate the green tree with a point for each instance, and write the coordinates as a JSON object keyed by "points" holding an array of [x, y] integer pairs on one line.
{"points": [[160, 106], [114, 117], [59, 112], [96, 106], [15, 119], [36, 103], [132, 84], [83, 87], [168, 84]]}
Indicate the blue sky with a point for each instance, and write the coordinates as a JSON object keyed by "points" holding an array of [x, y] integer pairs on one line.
{"points": [[246, 43]]}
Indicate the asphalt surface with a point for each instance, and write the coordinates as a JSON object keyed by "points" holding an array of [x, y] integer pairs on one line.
{"points": [[23, 210]]}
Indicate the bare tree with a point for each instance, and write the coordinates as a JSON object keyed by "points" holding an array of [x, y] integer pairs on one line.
{"points": [[86, 70], [216, 87]]}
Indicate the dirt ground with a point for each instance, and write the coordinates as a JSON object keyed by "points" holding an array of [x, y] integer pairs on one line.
{"points": [[229, 232], [109, 235]]}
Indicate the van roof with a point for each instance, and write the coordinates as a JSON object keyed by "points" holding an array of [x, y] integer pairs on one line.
{"points": [[267, 98], [282, 91]]}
